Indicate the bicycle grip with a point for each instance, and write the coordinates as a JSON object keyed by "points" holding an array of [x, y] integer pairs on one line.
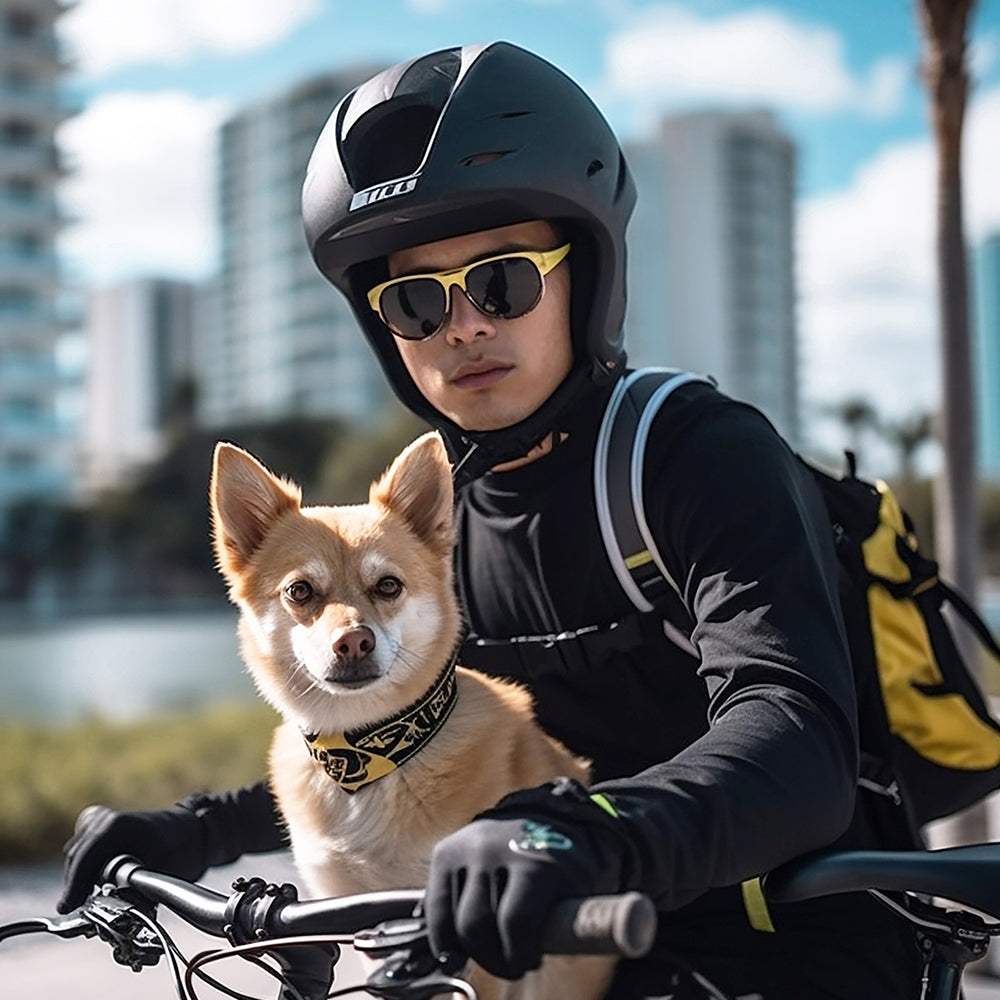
{"points": [[601, 925]]}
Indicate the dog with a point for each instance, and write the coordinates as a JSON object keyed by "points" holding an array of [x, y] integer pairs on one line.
{"points": [[349, 625]]}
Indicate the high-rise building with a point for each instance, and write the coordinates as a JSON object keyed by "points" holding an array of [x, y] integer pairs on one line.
{"points": [[711, 256], [140, 374], [282, 341], [986, 286], [35, 449]]}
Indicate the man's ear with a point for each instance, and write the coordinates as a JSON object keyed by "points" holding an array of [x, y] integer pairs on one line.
{"points": [[418, 487], [246, 501]]}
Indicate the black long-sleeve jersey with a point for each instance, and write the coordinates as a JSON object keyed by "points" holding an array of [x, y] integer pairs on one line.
{"points": [[730, 753]]}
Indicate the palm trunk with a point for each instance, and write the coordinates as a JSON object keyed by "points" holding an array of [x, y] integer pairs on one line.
{"points": [[956, 519], [947, 81]]}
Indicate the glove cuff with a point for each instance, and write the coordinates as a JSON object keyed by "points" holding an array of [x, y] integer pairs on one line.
{"points": [[567, 804], [232, 824]]}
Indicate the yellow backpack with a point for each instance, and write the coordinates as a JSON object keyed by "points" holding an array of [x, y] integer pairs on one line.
{"points": [[927, 736]]}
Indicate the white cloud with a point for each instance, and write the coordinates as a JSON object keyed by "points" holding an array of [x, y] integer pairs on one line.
{"points": [[881, 96], [867, 286], [867, 272], [981, 157], [757, 56], [142, 186], [106, 35]]}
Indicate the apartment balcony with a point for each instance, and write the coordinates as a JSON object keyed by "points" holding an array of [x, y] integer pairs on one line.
{"points": [[39, 270], [36, 214], [36, 101], [21, 373], [29, 318], [35, 159], [30, 428], [36, 480], [21, 49], [27, 329]]}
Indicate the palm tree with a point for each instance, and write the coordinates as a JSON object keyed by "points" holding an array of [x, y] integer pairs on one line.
{"points": [[859, 416], [945, 25], [908, 435]]}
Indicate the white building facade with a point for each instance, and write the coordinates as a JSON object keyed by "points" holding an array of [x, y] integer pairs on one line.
{"points": [[712, 257], [140, 365], [281, 341]]}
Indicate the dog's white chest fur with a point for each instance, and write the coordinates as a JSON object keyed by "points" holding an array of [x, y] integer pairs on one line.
{"points": [[375, 838]]}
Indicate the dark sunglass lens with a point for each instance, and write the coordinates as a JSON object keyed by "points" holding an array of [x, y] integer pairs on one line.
{"points": [[505, 288], [414, 309]]}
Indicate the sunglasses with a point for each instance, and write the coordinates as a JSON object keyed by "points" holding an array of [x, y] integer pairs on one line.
{"points": [[416, 306]]}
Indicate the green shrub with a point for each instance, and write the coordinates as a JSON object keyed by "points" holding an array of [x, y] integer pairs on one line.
{"points": [[48, 773]]}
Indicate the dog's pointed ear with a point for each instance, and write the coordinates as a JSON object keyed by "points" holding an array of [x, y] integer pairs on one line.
{"points": [[246, 500], [417, 486]]}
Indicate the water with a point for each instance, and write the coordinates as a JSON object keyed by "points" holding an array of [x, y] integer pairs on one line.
{"points": [[120, 667], [126, 666]]}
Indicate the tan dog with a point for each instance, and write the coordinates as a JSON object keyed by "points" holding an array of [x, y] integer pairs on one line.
{"points": [[349, 624]]}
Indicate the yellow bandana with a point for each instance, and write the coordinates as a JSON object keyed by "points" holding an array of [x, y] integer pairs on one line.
{"points": [[361, 756]]}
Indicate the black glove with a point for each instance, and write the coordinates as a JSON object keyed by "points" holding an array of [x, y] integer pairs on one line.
{"points": [[493, 883], [195, 834]]}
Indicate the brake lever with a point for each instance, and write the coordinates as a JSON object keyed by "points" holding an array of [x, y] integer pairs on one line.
{"points": [[112, 915], [71, 925], [409, 969]]}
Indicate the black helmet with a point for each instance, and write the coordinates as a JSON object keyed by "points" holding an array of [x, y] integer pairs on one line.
{"points": [[458, 141]]}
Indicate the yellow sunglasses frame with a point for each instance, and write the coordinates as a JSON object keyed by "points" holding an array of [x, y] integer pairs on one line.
{"points": [[544, 260]]}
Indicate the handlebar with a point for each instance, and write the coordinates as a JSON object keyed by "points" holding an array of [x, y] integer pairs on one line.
{"points": [[259, 917], [616, 925]]}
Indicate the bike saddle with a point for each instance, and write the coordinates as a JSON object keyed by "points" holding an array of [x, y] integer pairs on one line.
{"points": [[968, 875]]}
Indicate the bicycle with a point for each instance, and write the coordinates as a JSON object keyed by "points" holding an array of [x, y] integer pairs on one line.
{"points": [[914, 885], [304, 938]]}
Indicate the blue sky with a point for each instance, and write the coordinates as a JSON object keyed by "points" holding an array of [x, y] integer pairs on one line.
{"points": [[156, 77], [577, 35]]}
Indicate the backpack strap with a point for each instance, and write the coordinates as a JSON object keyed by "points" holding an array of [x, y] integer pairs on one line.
{"points": [[619, 461], [968, 614]]}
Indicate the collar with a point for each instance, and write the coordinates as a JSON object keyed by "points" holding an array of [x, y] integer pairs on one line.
{"points": [[358, 757]]}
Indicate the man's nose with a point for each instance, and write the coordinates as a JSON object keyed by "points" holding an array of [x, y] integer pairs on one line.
{"points": [[465, 322]]}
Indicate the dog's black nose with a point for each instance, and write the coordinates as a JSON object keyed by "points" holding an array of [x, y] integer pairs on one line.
{"points": [[353, 644]]}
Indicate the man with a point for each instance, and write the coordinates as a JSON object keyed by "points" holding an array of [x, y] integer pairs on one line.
{"points": [[472, 206]]}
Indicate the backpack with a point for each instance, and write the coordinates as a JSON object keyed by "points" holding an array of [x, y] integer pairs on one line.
{"points": [[927, 737]]}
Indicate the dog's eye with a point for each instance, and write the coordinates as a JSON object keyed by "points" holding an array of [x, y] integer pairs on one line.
{"points": [[298, 592], [389, 587]]}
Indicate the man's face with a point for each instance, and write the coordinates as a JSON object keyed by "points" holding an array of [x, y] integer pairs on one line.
{"points": [[482, 372]]}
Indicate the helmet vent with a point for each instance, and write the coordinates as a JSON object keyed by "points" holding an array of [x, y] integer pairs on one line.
{"points": [[511, 114], [594, 167], [478, 159], [389, 136]]}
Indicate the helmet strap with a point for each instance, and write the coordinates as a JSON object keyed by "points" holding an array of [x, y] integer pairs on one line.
{"points": [[473, 453]]}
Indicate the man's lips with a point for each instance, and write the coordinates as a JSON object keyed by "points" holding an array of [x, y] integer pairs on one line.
{"points": [[481, 375]]}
